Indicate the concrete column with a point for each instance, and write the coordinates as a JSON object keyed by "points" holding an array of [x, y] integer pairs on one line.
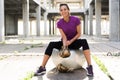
{"points": [[83, 28], [86, 3], [2, 26], [45, 18], [16, 25], [86, 24], [38, 18], [25, 5], [55, 30], [50, 5], [114, 13], [45, 3], [86, 16], [98, 17], [91, 19], [53, 27], [49, 26], [30, 27], [45, 23]]}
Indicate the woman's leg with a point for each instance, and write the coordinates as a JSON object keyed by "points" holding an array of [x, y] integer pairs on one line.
{"points": [[83, 43], [87, 56], [45, 60], [86, 52], [48, 51]]}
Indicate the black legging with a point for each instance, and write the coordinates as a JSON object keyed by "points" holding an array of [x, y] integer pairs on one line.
{"points": [[75, 45]]}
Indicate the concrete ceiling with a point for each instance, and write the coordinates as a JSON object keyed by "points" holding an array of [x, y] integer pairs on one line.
{"points": [[104, 5], [70, 1], [14, 7]]}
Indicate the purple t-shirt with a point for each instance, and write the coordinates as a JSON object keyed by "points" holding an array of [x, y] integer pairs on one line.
{"points": [[69, 28]]}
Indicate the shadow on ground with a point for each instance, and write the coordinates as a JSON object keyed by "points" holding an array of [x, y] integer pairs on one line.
{"points": [[76, 75]]}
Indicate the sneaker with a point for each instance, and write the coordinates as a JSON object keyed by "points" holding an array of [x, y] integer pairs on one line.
{"points": [[40, 71], [90, 71]]}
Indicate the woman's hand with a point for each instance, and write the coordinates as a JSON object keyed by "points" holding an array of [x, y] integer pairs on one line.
{"points": [[68, 43]]}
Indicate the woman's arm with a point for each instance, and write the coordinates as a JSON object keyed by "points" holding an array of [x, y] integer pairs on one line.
{"points": [[76, 36], [63, 37], [65, 41]]}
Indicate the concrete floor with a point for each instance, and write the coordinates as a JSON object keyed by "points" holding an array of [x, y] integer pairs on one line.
{"points": [[17, 64]]}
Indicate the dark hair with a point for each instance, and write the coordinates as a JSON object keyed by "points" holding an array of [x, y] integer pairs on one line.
{"points": [[65, 5]]}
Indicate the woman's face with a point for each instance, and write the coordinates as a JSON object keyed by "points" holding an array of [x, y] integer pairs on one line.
{"points": [[64, 11]]}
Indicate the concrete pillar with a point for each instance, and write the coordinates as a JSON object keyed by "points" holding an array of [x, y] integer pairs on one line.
{"points": [[86, 16], [86, 22], [86, 3], [91, 19], [53, 27], [55, 30], [49, 26], [45, 23], [45, 3], [114, 13], [50, 4], [38, 18], [98, 17], [83, 27], [2, 26], [30, 27], [45, 18], [16, 25], [25, 5]]}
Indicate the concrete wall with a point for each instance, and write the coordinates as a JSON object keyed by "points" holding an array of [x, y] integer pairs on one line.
{"points": [[11, 25], [114, 12], [2, 20]]}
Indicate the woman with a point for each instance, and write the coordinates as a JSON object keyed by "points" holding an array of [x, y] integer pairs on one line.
{"points": [[70, 30]]}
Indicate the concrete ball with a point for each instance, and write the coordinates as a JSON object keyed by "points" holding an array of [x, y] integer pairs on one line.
{"points": [[75, 60]]}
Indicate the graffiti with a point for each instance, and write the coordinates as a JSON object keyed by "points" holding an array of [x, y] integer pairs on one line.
{"points": [[113, 54]]}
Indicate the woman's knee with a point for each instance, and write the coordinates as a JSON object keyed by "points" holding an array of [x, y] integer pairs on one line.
{"points": [[84, 41], [85, 44], [51, 44]]}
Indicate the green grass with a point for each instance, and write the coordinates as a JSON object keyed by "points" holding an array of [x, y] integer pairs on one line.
{"points": [[3, 57], [102, 66], [3, 42], [28, 76], [29, 47]]}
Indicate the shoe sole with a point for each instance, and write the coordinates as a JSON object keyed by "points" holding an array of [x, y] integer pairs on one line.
{"points": [[90, 75], [39, 74]]}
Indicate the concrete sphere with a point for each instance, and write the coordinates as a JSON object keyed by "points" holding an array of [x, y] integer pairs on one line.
{"points": [[75, 61]]}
